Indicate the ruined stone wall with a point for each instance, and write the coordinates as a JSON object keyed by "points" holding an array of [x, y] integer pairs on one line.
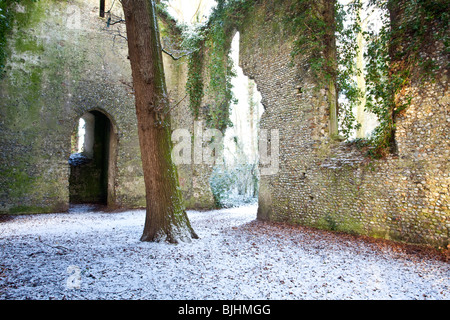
{"points": [[327, 184], [193, 177], [63, 62]]}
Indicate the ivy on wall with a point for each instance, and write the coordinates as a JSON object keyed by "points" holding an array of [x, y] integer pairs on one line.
{"points": [[194, 84], [220, 69], [394, 54], [211, 43], [348, 25], [304, 20]]}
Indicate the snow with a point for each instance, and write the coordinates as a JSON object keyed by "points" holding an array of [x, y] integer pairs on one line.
{"points": [[90, 255]]}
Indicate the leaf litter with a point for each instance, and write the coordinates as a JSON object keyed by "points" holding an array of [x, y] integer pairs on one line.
{"points": [[236, 257]]}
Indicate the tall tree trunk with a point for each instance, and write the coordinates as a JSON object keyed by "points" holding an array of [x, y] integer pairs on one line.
{"points": [[166, 218]]}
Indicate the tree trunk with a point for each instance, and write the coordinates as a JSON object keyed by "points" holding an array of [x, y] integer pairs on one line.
{"points": [[166, 218]]}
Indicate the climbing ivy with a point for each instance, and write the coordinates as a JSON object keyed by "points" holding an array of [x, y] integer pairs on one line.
{"points": [[381, 87], [348, 25], [304, 20], [220, 74], [226, 18], [212, 43], [394, 54], [194, 83]]}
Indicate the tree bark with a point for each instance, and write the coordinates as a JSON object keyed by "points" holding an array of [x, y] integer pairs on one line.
{"points": [[166, 218]]}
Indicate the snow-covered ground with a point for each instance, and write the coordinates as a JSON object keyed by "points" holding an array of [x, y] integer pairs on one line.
{"points": [[236, 257]]}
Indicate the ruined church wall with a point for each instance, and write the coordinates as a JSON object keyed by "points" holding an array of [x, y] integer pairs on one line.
{"points": [[63, 62], [193, 177], [330, 185]]}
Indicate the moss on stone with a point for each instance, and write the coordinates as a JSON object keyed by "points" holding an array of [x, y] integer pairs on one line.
{"points": [[24, 44], [28, 210]]}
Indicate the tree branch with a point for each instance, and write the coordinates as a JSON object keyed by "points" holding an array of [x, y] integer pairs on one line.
{"points": [[174, 106], [109, 23], [173, 57]]}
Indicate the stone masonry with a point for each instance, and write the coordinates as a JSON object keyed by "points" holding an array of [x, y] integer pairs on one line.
{"points": [[332, 185], [64, 61], [63, 65]]}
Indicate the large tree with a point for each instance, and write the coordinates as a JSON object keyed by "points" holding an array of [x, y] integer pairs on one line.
{"points": [[166, 218]]}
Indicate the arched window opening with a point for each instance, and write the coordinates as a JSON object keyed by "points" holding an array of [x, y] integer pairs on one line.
{"points": [[83, 139]]}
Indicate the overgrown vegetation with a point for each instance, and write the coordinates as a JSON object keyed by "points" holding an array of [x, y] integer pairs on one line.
{"points": [[210, 73], [220, 74], [211, 43], [392, 55], [395, 54], [194, 84], [234, 185], [348, 25], [304, 20]]}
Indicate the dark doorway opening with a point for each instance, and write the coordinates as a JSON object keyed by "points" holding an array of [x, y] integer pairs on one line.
{"points": [[92, 162]]}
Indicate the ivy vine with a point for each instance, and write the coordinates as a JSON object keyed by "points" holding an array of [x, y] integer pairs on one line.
{"points": [[304, 20], [212, 43], [392, 54], [220, 75], [194, 83], [348, 26]]}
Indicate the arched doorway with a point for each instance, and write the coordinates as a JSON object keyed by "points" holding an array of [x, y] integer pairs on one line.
{"points": [[93, 160]]}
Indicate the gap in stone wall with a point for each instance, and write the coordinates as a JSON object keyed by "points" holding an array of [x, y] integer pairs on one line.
{"points": [[238, 177]]}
